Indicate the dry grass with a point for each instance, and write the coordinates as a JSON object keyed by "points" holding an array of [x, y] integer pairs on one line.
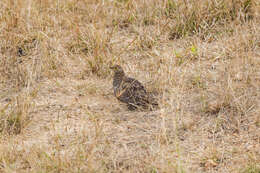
{"points": [[57, 110]]}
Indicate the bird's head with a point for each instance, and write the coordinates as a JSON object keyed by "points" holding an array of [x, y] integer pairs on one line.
{"points": [[117, 69]]}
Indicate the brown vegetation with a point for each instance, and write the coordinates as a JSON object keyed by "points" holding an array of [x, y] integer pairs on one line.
{"points": [[57, 110]]}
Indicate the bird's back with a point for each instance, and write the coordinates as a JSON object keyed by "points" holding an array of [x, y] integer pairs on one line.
{"points": [[132, 92]]}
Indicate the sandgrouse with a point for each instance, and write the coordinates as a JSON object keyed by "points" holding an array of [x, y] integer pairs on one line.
{"points": [[131, 91]]}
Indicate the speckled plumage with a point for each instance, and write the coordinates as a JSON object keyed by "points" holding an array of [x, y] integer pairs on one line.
{"points": [[131, 91]]}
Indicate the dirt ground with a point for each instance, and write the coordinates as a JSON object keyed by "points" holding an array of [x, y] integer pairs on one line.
{"points": [[57, 108]]}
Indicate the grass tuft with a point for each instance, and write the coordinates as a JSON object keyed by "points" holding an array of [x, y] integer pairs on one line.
{"points": [[200, 58]]}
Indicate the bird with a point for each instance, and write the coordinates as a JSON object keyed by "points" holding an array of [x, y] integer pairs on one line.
{"points": [[131, 92]]}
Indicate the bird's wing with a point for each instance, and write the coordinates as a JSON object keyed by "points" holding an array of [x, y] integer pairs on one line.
{"points": [[136, 92], [130, 90], [134, 85], [140, 94]]}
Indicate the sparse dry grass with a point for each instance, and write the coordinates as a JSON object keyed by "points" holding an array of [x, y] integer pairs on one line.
{"points": [[57, 110]]}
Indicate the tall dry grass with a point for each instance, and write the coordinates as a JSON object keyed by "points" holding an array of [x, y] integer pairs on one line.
{"points": [[57, 110]]}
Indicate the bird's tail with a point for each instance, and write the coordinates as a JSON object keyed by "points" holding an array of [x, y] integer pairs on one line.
{"points": [[153, 100]]}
